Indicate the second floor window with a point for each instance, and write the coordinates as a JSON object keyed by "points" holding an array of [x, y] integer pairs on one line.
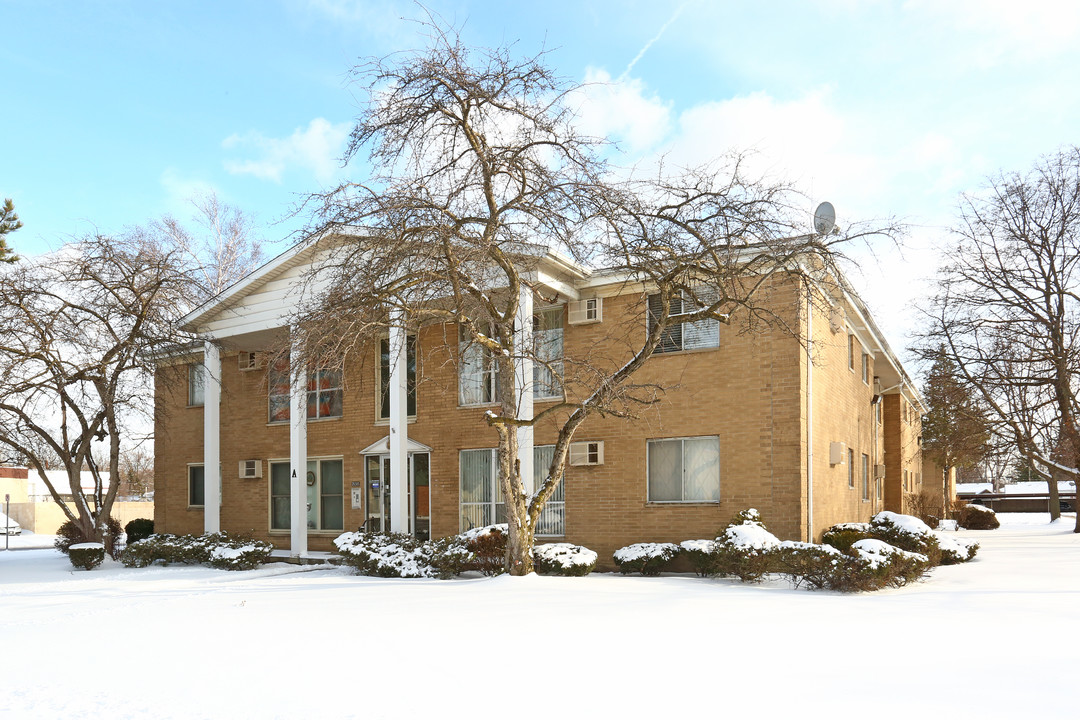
{"points": [[548, 340], [478, 373], [324, 392], [683, 335], [196, 384]]}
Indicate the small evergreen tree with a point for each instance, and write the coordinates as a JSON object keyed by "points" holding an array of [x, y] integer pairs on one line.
{"points": [[9, 223], [955, 430]]}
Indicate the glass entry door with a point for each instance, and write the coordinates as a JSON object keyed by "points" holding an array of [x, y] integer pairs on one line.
{"points": [[377, 494]]}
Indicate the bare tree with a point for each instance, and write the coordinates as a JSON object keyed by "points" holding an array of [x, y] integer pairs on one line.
{"points": [[220, 244], [480, 171], [77, 332], [136, 477], [1008, 314]]}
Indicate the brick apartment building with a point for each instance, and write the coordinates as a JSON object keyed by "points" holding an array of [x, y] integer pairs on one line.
{"points": [[748, 421]]}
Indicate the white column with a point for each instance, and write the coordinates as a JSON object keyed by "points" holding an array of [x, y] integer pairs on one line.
{"points": [[297, 454], [211, 437], [523, 371], [399, 424]]}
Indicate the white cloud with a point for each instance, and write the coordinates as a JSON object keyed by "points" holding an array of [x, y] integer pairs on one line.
{"points": [[621, 110], [316, 149]]}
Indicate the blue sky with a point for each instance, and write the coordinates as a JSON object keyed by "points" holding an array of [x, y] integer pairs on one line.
{"points": [[116, 112]]}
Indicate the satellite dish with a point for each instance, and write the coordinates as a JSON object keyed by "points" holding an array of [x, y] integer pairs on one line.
{"points": [[824, 218]]}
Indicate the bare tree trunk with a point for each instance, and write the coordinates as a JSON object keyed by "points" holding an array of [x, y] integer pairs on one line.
{"points": [[1054, 501]]}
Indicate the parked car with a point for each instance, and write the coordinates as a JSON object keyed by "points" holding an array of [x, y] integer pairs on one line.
{"points": [[9, 526]]}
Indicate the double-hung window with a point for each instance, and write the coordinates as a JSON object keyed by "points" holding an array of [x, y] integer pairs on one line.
{"points": [[384, 377], [677, 335], [478, 372], [548, 341], [684, 469], [866, 477], [482, 501], [324, 484], [324, 392], [196, 384], [196, 486]]}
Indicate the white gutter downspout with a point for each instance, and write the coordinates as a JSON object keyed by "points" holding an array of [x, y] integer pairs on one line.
{"points": [[809, 419]]}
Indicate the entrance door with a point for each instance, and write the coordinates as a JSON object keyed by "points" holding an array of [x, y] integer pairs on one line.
{"points": [[377, 494]]}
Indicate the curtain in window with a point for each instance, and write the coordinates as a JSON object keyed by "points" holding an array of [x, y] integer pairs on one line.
{"points": [[477, 488], [471, 375], [196, 384], [553, 517], [548, 340], [701, 470], [665, 470]]}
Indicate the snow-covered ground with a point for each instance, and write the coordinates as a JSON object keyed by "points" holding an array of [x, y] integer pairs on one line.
{"points": [[990, 639]]}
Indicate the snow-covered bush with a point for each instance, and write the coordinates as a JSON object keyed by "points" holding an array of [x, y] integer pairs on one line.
{"points": [[644, 558], [86, 555], [563, 559], [744, 548], [219, 550], [891, 566], [818, 566], [701, 554], [232, 553], [403, 556], [844, 535], [977, 517], [488, 547], [69, 534], [397, 555], [906, 532], [954, 550]]}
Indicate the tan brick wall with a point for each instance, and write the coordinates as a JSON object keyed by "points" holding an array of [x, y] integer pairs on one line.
{"points": [[902, 453], [843, 413], [750, 392]]}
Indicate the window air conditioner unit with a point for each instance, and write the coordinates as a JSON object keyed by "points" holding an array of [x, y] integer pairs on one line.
{"points": [[836, 453], [879, 472], [250, 469], [590, 310], [249, 361], [590, 452]]}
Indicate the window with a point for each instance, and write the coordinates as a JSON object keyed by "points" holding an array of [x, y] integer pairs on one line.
{"points": [[384, 377], [482, 500], [866, 477], [325, 503], [196, 393], [324, 397], [851, 352], [478, 373], [684, 470], [196, 486], [851, 468], [548, 341], [685, 335], [906, 487], [866, 368]]}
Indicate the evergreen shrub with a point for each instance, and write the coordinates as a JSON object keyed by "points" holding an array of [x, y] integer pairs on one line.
{"points": [[645, 558], [977, 517], [139, 529], [70, 534], [563, 559], [218, 550], [86, 555]]}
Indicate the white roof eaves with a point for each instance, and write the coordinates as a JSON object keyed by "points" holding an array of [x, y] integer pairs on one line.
{"points": [[264, 273]]}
